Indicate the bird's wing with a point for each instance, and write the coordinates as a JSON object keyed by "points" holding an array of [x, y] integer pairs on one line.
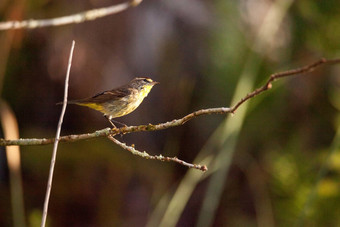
{"points": [[106, 95]]}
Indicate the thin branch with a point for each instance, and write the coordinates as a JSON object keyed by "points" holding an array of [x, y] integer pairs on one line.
{"points": [[176, 122], [157, 157], [46, 141], [275, 76], [55, 147], [71, 19], [123, 130]]}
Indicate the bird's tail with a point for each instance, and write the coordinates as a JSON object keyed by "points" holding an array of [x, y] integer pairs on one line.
{"points": [[69, 102], [84, 103]]}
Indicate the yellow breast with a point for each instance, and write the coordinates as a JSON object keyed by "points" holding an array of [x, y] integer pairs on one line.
{"points": [[145, 91]]}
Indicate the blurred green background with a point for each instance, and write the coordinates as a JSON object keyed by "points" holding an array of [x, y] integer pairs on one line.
{"points": [[275, 163]]}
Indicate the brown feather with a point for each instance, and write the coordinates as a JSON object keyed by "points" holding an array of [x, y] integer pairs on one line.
{"points": [[113, 94]]}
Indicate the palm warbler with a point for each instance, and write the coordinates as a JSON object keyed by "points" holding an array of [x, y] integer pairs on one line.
{"points": [[119, 101]]}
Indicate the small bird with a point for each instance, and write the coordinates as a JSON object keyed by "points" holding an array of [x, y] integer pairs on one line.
{"points": [[119, 101]]}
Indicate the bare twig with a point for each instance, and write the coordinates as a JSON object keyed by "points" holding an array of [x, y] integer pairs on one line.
{"points": [[45, 141], [56, 141], [157, 157], [71, 19], [275, 76], [176, 122]]}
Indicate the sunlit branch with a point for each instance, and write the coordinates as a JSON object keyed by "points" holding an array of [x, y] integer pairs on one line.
{"points": [[70, 19]]}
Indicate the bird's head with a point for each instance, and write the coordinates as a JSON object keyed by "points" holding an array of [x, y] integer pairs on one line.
{"points": [[143, 84]]}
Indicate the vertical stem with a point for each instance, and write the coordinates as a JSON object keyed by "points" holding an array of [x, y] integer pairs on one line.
{"points": [[54, 153]]}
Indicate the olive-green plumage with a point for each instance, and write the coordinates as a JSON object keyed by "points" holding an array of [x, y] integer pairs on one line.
{"points": [[119, 101]]}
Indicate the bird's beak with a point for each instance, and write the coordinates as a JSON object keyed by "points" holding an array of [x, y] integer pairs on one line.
{"points": [[154, 83]]}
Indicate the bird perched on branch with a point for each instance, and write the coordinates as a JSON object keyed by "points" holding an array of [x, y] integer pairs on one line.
{"points": [[119, 101]]}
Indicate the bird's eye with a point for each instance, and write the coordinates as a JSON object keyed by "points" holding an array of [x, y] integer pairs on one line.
{"points": [[147, 80]]}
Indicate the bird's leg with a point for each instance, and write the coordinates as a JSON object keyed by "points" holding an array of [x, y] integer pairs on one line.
{"points": [[119, 123], [110, 120]]}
